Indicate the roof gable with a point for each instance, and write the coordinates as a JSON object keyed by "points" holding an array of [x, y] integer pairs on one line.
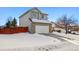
{"points": [[33, 9], [36, 10]]}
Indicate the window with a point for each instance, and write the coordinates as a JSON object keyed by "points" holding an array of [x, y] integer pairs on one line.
{"points": [[35, 15], [42, 16]]}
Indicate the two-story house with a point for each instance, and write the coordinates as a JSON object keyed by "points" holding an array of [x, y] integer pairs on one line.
{"points": [[36, 21]]}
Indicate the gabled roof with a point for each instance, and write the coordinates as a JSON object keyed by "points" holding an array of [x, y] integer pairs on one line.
{"points": [[31, 10]]}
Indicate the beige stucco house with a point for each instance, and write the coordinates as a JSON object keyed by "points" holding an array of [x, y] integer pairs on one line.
{"points": [[36, 21]]}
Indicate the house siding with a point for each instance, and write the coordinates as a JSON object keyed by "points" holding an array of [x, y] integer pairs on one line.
{"points": [[25, 22]]}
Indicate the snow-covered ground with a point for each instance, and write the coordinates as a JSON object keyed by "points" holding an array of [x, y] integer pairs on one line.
{"points": [[37, 42], [25, 40], [71, 37]]}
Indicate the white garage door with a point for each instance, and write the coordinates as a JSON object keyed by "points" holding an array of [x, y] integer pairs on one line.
{"points": [[42, 29]]}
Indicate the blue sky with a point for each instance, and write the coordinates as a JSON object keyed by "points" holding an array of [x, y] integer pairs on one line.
{"points": [[53, 12]]}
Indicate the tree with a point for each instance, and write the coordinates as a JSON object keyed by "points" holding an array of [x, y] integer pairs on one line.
{"points": [[66, 22], [11, 22], [14, 22], [8, 24]]}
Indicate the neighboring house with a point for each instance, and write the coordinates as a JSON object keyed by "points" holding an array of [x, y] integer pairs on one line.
{"points": [[61, 27], [53, 26], [56, 27], [36, 21]]}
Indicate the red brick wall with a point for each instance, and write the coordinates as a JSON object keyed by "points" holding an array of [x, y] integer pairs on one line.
{"points": [[13, 30]]}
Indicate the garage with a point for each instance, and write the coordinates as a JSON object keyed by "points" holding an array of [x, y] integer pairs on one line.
{"points": [[40, 26], [41, 29]]}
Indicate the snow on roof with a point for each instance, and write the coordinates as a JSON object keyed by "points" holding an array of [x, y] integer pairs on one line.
{"points": [[41, 21]]}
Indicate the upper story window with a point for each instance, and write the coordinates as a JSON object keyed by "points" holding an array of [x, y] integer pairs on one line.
{"points": [[42, 16], [33, 15]]}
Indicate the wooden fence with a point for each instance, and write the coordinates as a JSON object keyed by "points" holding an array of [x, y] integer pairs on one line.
{"points": [[13, 30]]}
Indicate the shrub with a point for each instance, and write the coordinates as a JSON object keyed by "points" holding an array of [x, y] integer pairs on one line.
{"points": [[73, 33], [59, 31], [69, 31]]}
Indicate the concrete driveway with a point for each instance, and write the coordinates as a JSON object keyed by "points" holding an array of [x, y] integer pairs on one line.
{"points": [[65, 45]]}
